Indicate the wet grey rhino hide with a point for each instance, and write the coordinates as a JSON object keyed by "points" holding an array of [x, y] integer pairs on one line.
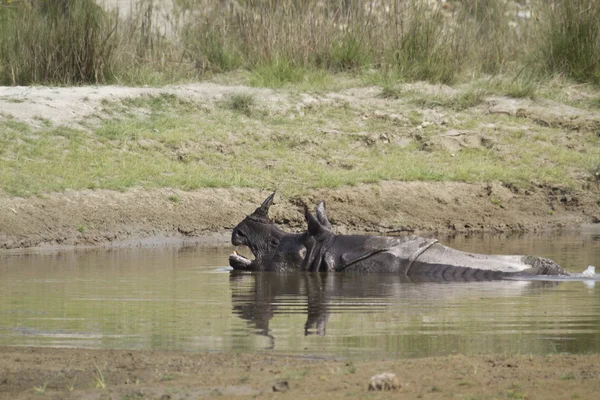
{"points": [[320, 250], [410, 255]]}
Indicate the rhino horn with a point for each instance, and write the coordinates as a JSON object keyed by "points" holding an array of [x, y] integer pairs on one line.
{"points": [[322, 215], [263, 210]]}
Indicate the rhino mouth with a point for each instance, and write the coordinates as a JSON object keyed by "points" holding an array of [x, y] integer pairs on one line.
{"points": [[239, 262]]}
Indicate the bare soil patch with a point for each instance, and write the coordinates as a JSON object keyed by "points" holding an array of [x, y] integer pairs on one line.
{"points": [[33, 373], [78, 106]]}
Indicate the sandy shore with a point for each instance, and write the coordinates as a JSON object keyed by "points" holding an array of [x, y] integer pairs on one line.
{"points": [[120, 374]]}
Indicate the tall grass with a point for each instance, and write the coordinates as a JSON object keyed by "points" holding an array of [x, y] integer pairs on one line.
{"points": [[486, 27], [427, 48], [58, 41], [77, 42], [285, 40], [572, 45], [150, 49]]}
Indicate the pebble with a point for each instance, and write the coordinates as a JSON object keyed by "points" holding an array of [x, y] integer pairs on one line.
{"points": [[385, 381], [281, 386]]}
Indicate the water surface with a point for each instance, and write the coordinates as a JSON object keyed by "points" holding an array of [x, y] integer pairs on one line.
{"points": [[184, 298]]}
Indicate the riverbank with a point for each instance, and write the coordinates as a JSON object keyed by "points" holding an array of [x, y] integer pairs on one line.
{"points": [[124, 374], [153, 217], [99, 165]]}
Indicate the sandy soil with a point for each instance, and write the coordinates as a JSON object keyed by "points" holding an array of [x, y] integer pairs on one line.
{"points": [[120, 374]]}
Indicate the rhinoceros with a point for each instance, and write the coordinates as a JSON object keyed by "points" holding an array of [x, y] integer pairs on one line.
{"points": [[273, 248], [319, 249]]}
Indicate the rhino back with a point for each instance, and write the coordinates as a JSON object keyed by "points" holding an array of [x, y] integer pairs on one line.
{"points": [[377, 253], [448, 262]]}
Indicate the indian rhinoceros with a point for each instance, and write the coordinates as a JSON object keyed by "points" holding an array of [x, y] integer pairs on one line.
{"points": [[273, 248], [319, 249]]}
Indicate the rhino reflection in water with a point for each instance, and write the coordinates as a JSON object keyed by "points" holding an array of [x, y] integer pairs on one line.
{"points": [[259, 302], [320, 250]]}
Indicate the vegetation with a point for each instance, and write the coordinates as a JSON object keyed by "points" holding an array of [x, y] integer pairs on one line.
{"points": [[241, 102], [573, 39], [292, 146], [75, 42], [483, 47], [65, 42]]}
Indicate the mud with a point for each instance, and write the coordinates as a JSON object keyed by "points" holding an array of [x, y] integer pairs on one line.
{"points": [[150, 217], [28, 373]]}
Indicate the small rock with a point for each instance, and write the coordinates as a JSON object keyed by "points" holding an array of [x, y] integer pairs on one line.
{"points": [[385, 381], [281, 386]]}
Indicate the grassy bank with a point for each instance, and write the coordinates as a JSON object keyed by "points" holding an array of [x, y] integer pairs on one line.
{"points": [[278, 42], [344, 113], [293, 141]]}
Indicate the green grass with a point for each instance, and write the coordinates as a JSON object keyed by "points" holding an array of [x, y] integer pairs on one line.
{"points": [[56, 42], [177, 146], [426, 51], [240, 102], [169, 377], [391, 92], [41, 390], [350, 53], [282, 73], [521, 85], [99, 379], [458, 102]]}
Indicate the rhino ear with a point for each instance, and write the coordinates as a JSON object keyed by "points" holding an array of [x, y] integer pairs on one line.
{"points": [[314, 226], [322, 215], [263, 210]]}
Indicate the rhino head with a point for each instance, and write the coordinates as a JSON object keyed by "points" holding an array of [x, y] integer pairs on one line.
{"points": [[258, 232], [273, 248]]}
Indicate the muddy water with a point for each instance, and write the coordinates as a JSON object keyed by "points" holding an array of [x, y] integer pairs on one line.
{"points": [[184, 298]]}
